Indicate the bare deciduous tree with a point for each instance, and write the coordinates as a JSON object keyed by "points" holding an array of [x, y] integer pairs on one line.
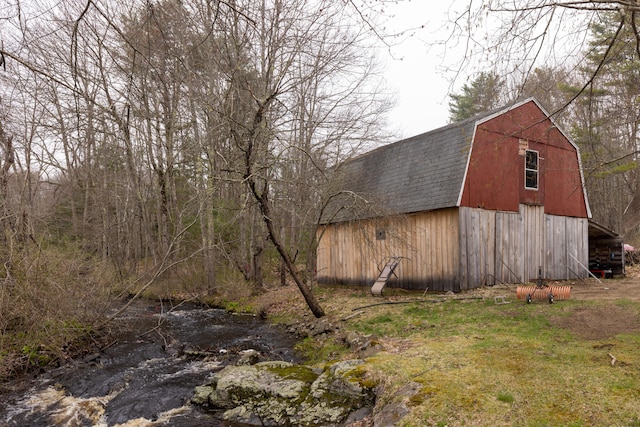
{"points": [[197, 130]]}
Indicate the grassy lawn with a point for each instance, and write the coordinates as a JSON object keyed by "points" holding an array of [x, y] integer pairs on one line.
{"points": [[462, 362]]}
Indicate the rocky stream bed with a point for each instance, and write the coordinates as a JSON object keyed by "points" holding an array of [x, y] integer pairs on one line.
{"points": [[193, 366]]}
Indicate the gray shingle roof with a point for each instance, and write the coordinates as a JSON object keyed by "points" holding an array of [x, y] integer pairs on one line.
{"points": [[421, 173]]}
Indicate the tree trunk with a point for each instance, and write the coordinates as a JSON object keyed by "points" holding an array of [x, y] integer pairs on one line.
{"points": [[283, 274], [265, 209], [7, 146], [257, 276]]}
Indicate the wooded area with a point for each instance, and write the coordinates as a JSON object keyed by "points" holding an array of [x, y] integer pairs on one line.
{"points": [[184, 136], [189, 141]]}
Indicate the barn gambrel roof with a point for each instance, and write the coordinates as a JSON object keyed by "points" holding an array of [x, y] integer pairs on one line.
{"points": [[421, 173]]}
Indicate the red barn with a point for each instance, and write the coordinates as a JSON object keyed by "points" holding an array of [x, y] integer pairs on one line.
{"points": [[496, 198]]}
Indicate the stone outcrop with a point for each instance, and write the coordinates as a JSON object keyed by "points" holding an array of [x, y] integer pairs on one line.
{"points": [[285, 394]]}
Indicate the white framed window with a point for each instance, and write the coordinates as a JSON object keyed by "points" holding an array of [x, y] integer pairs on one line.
{"points": [[531, 170]]}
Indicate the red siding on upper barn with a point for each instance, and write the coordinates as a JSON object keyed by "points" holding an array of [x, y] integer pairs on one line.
{"points": [[495, 174]]}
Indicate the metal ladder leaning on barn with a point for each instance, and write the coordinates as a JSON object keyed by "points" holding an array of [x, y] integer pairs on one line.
{"points": [[385, 274]]}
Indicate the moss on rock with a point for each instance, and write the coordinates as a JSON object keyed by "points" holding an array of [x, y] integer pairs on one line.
{"points": [[281, 393]]}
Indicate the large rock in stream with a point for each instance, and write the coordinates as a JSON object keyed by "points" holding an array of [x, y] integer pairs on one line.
{"points": [[285, 394]]}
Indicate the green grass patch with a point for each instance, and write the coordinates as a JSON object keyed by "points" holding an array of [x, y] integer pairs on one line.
{"points": [[320, 352], [506, 397], [479, 363]]}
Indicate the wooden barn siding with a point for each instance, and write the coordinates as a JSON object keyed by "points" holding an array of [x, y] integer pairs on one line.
{"points": [[510, 247], [477, 247], [567, 246], [456, 249], [432, 259], [491, 247], [509, 254], [348, 253], [534, 240], [344, 253]]}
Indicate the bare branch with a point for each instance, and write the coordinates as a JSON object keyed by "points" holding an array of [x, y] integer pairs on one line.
{"points": [[36, 70], [634, 26]]}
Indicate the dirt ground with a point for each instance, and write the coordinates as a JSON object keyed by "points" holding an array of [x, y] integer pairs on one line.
{"points": [[627, 287], [603, 320], [600, 322]]}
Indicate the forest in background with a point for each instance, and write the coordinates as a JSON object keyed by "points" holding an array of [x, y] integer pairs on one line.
{"points": [[188, 144], [170, 142]]}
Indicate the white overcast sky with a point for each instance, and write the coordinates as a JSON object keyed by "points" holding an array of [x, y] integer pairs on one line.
{"points": [[415, 65], [422, 71]]}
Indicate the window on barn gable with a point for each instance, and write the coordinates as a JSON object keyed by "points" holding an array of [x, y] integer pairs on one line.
{"points": [[531, 170]]}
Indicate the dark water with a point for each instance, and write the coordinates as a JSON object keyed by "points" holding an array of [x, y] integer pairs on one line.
{"points": [[148, 375]]}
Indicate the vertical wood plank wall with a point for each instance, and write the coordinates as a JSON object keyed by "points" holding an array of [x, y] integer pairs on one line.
{"points": [[455, 249], [509, 255], [477, 247], [523, 242], [432, 251], [564, 245], [534, 241], [349, 253]]}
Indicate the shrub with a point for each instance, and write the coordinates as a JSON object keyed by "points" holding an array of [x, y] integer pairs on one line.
{"points": [[50, 299]]}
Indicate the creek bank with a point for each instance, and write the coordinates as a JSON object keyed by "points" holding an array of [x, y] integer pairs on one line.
{"points": [[362, 345], [275, 393], [286, 394]]}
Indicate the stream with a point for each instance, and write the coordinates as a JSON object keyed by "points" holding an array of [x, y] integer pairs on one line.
{"points": [[148, 374]]}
